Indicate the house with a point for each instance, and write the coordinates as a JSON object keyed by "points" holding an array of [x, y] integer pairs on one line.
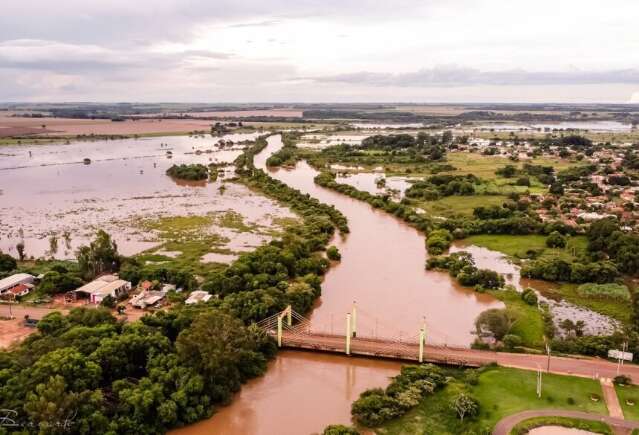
{"points": [[107, 285], [20, 290], [198, 296], [147, 299], [12, 281]]}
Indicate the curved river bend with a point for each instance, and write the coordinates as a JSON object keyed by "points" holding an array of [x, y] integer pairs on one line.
{"points": [[382, 268]]}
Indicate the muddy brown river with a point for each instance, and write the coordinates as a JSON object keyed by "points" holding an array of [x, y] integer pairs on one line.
{"points": [[382, 269]]}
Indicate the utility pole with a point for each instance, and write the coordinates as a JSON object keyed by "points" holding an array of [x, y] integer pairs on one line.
{"points": [[348, 333], [548, 362], [620, 360]]}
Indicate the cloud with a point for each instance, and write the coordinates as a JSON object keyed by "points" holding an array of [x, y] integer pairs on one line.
{"points": [[57, 56], [458, 76]]}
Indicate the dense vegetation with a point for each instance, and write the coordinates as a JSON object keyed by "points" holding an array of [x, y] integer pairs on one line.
{"points": [[462, 266], [97, 375], [375, 407], [193, 172]]}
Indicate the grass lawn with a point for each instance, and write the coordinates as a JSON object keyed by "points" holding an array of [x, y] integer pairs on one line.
{"points": [[456, 205], [631, 412], [500, 392], [516, 246], [530, 324]]}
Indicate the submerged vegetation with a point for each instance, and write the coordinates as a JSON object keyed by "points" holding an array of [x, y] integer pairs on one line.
{"points": [[194, 172]]}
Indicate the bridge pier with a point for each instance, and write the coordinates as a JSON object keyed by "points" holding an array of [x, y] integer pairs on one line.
{"points": [[348, 333], [279, 331], [354, 318]]}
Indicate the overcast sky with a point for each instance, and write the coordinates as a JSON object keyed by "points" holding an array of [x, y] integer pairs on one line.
{"points": [[320, 51]]}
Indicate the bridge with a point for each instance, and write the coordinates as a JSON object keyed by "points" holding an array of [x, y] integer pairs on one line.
{"points": [[294, 331]]}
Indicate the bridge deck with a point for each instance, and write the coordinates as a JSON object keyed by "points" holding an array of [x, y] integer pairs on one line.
{"points": [[376, 348]]}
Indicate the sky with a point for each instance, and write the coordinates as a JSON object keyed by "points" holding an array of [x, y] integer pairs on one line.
{"points": [[214, 51]]}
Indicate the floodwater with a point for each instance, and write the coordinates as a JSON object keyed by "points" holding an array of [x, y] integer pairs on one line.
{"points": [[368, 182], [597, 126], [300, 394], [382, 268], [610, 126], [47, 190]]}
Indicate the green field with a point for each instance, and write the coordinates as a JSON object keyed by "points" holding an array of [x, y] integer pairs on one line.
{"points": [[529, 324], [485, 166], [625, 393], [459, 205], [500, 392], [516, 246]]}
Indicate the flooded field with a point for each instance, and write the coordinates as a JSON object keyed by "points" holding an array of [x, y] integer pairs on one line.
{"points": [[10, 126], [595, 126], [375, 183], [47, 190]]}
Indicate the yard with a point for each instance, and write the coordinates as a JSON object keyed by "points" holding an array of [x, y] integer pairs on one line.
{"points": [[500, 392]]}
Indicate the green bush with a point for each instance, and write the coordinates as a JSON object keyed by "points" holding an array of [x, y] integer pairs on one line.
{"points": [[512, 341], [333, 253], [377, 406], [195, 172], [556, 240], [438, 241], [529, 296], [339, 429]]}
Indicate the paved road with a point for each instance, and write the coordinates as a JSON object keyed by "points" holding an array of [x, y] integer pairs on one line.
{"points": [[620, 426], [576, 366]]}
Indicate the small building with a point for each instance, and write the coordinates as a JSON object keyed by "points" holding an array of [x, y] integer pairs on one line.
{"points": [[98, 289], [20, 290], [198, 296], [12, 281], [147, 299]]}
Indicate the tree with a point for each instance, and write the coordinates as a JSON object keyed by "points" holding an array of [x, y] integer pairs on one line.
{"points": [[108, 301], [100, 256], [496, 321], [223, 351], [20, 249], [465, 405], [333, 253], [7, 263], [556, 240]]}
